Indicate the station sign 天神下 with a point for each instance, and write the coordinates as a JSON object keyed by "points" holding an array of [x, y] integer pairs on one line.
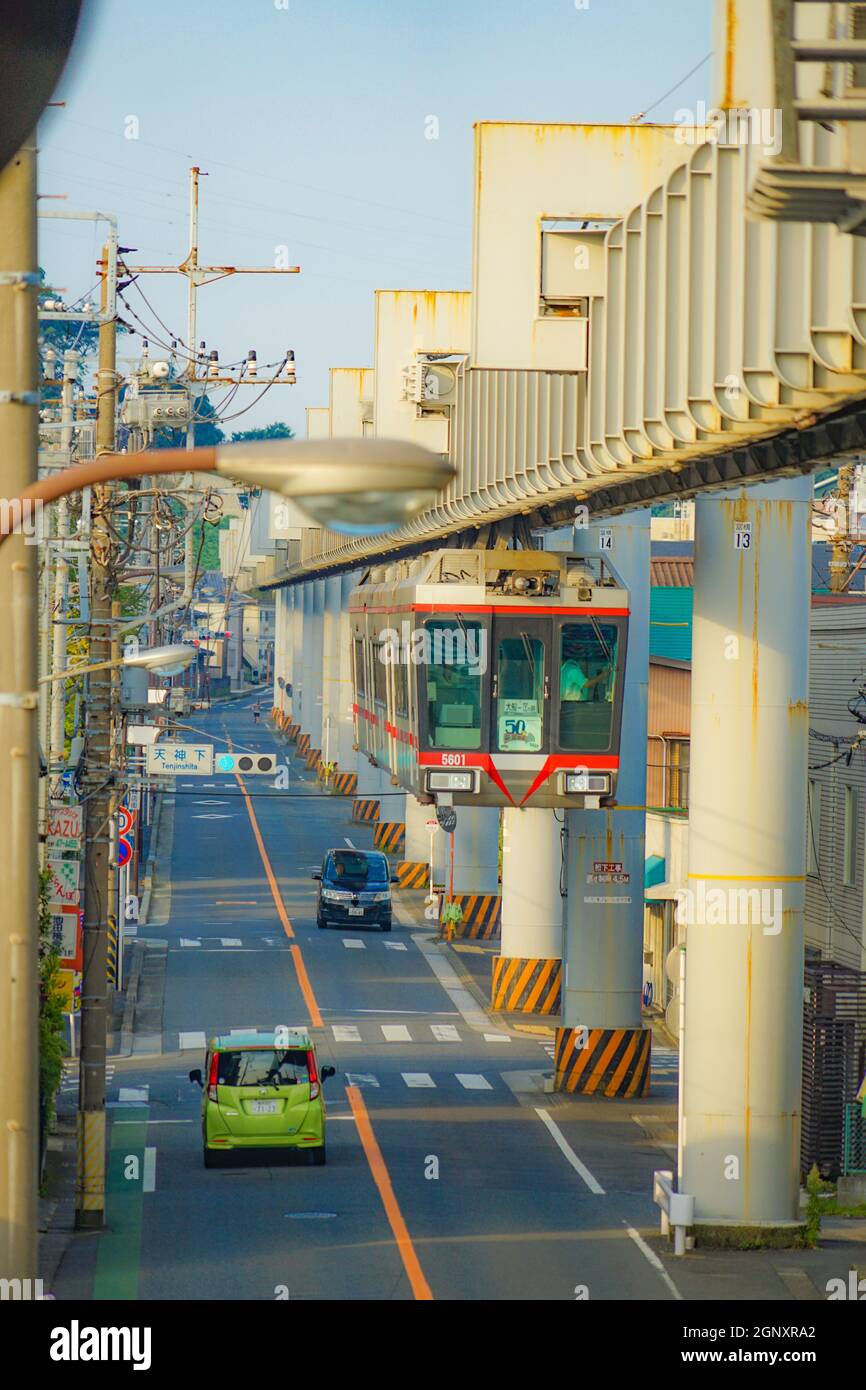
{"points": [[188, 759]]}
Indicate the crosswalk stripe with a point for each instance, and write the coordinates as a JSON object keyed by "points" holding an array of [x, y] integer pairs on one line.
{"points": [[497, 1037], [350, 943], [395, 946], [230, 941], [345, 1032], [418, 1078], [444, 1032], [360, 1078], [192, 1040], [132, 1095], [188, 941], [472, 1081], [395, 1032]]}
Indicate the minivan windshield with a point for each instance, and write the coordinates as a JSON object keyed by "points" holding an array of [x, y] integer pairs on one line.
{"points": [[262, 1066], [348, 868]]}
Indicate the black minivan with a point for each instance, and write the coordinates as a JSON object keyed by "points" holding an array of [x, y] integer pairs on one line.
{"points": [[354, 889]]}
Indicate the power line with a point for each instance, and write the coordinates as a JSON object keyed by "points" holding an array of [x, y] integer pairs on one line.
{"points": [[691, 72]]}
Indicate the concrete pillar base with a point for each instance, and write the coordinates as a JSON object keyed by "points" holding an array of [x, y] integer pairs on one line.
{"points": [[482, 915], [344, 783], [390, 836], [413, 873], [365, 809], [526, 985], [609, 1062]]}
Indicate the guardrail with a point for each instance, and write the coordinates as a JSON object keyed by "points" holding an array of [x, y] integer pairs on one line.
{"points": [[678, 1209]]}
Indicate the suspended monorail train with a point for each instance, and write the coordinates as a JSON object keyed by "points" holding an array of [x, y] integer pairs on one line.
{"points": [[492, 677]]}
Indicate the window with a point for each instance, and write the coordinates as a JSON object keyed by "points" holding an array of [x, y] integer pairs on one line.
{"points": [[381, 662], [849, 851], [587, 681], [262, 1067], [813, 827], [351, 869], [679, 762], [401, 688], [360, 673], [520, 694], [453, 674]]}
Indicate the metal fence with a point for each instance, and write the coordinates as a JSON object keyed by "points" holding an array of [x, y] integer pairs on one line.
{"points": [[854, 1140], [834, 1060]]}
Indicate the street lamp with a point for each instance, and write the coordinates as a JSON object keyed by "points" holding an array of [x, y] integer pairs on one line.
{"points": [[357, 486], [164, 661]]}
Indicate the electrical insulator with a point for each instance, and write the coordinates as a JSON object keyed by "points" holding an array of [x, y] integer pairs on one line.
{"points": [[252, 365], [290, 366], [214, 363], [145, 350], [202, 351]]}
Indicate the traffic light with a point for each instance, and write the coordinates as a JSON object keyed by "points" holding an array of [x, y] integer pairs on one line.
{"points": [[246, 762]]}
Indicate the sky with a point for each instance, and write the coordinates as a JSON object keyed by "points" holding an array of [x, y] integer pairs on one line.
{"points": [[311, 121]]}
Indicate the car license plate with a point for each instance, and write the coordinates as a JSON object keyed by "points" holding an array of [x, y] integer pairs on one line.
{"points": [[356, 911], [263, 1107]]}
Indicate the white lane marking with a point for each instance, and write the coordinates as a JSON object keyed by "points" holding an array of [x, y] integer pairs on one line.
{"points": [[563, 1144], [236, 1032], [395, 1032], [444, 1032], [191, 1040], [497, 1037], [188, 941], [352, 944], [426, 1013], [473, 1081], [448, 978], [167, 1122], [133, 1095], [396, 946], [348, 842], [345, 1032], [230, 941], [332, 1118], [360, 1078], [417, 1078], [149, 1170], [654, 1261]]}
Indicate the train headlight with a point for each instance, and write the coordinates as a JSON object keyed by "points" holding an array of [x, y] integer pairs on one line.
{"points": [[463, 781], [594, 783]]}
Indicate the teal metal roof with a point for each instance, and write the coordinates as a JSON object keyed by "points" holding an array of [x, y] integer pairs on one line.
{"points": [[671, 623], [653, 870]]}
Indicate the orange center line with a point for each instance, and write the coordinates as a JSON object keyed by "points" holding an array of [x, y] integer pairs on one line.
{"points": [[300, 969], [382, 1179]]}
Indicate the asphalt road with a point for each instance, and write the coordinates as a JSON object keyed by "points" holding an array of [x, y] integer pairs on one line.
{"points": [[450, 1173]]}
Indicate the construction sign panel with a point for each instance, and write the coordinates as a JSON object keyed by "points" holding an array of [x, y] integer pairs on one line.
{"points": [[66, 934], [188, 759]]}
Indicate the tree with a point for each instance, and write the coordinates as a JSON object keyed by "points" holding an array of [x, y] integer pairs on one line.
{"points": [[278, 430]]}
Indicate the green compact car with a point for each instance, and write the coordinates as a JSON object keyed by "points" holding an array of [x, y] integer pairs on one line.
{"points": [[263, 1091]]}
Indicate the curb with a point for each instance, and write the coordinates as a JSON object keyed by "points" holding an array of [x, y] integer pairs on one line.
{"points": [[127, 1026], [150, 865]]}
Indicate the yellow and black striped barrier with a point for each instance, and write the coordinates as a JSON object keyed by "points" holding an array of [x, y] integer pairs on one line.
{"points": [[302, 747], [291, 732], [612, 1062], [411, 874], [526, 986], [344, 783], [482, 915], [389, 835], [314, 757], [111, 951], [365, 810]]}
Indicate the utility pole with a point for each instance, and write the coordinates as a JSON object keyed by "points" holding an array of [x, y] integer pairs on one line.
{"points": [[19, 922], [57, 736], [840, 549], [99, 805]]}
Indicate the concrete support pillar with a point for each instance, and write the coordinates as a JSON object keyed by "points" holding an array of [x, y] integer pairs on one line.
{"points": [[345, 730], [283, 652], [740, 1125], [527, 974], [297, 641], [476, 850], [331, 689], [601, 1046]]}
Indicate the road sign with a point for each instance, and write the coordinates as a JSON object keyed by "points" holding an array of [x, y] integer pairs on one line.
{"points": [[65, 921], [447, 818], [124, 820], [133, 798], [124, 851], [186, 759], [247, 763]]}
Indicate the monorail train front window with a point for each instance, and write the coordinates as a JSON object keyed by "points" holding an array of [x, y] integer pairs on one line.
{"points": [[453, 667], [587, 680], [520, 694]]}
